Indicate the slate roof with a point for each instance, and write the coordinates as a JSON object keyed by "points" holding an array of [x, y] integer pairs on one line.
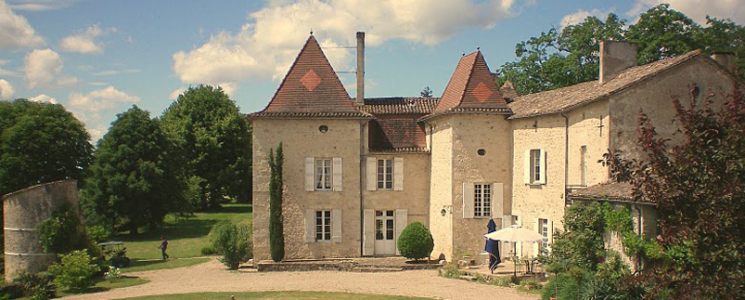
{"points": [[472, 89], [567, 98], [607, 191], [311, 89]]}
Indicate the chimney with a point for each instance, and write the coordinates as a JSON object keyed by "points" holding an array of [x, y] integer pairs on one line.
{"points": [[360, 68], [726, 59], [616, 56]]}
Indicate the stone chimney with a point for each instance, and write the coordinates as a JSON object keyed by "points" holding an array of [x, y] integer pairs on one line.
{"points": [[360, 68], [616, 56], [726, 59]]}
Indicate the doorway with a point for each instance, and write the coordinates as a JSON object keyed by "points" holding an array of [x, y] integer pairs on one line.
{"points": [[385, 243]]}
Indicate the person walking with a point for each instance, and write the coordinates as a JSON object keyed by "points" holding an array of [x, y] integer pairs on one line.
{"points": [[163, 246]]}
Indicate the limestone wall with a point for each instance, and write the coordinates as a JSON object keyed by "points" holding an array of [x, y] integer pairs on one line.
{"points": [[415, 194], [589, 126], [301, 139], [22, 212], [440, 136]]}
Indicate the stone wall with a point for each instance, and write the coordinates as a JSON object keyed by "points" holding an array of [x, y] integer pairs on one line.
{"points": [[22, 211], [440, 137]]}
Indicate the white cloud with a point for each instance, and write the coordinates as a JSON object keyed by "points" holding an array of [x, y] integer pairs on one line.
{"points": [[83, 41], [581, 15], [177, 92], [43, 98], [15, 31], [90, 107], [6, 90], [697, 9], [268, 43], [97, 83], [40, 5], [43, 68]]}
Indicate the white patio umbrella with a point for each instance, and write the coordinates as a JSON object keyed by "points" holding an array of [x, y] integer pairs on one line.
{"points": [[514, 234]]}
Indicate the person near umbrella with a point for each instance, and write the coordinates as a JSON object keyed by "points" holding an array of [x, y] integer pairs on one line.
{"points": [[492, 247]]}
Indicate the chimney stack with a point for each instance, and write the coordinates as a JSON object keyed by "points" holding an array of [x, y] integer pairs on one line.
{"points": [[616, 56], [726, 59], [360, 68]]}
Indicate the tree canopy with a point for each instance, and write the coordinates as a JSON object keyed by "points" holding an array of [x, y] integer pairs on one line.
{"points": [[39, 143], [213, 142], [132, 182], [560, 58]]}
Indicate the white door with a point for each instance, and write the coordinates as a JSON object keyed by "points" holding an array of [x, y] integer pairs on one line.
{"points": [[385, 243]]}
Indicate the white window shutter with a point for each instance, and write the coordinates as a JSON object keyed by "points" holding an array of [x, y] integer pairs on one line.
{"points": [[372, 173], [526, 168], [497, 199], [310, 166], [310, 225], [468, 200], [402, 219], [519, 245], [336, 226], [337, 168], [537, 245], [398, 173], [543, 167], [368, 235]]}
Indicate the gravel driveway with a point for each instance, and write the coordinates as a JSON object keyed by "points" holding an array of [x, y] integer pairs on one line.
{"points": [[214, 277]]}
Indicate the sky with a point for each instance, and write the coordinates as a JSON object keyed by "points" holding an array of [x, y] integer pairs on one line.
{"points": [[99, 57]]}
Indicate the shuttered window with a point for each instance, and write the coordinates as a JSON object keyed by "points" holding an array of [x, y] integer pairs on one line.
{"points": [[482, 200], [385, 174], [323, 174]]}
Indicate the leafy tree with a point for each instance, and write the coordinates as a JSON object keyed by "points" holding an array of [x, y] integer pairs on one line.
{"points": [[132, 181], [415, 241], [426, 92], [663, 33], [213, 142], [699, 187], [63, 232], [725, 36], [276, 230], [39, 143]]}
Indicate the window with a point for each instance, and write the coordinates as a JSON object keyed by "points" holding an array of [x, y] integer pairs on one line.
{"points": [[543, 230], [323, 225], [385, 174], [482, 200], [323, 174], [384, 225], [535, 166]]}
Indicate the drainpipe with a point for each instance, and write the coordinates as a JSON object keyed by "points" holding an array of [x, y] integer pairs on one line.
{"points": [[566, 158], [363, 171]]}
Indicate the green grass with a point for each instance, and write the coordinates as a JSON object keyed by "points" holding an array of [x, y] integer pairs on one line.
{"points": [[104, 285], [157, 264], [276, 296], [186, 236]]}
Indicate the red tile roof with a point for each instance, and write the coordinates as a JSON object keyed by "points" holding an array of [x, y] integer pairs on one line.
{"points": [[472, 89], [311, 89], [400, 105]]}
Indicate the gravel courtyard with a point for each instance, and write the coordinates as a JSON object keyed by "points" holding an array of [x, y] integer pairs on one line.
{"points": [[213, 277]]}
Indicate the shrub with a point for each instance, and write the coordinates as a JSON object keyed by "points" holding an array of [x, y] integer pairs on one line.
{"points": [[208, 250], [75, 271], [35, 286], [415, 241], [450, 270], [504, 281], [62, 232], [113, 274], [234, 242], [98, 233]]}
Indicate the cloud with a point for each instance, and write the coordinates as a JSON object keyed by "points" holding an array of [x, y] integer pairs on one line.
{"points": [[15, 31], [697, 9], [43, 98], [115, 72], [268, 43], [90, 107], [6, 90], [97, 83], [177, 92], [83, 41], [40, 5], [43, 68], [581, 15]]}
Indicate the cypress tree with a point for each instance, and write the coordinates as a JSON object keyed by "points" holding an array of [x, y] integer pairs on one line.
{"points": [[276, 234]]}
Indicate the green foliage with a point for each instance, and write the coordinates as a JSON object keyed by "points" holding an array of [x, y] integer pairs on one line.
{"points": [[98, 233], [208, 250], [581, 245], [213, 143], [276, 230], [415, 241], [233, 242], [451, 270], [114, 274], [63, 232], [132, 181], [530, 285], [503, 281], [75, 271], [34, 286]]}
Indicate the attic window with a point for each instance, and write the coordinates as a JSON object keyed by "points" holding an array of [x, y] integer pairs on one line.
{"points": [[323, 128], [481, 152]]}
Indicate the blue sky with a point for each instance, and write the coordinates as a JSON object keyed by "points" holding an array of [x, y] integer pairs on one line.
{"points": [[98, 57]]}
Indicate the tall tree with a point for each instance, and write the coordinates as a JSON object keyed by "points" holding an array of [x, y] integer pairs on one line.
{"points": [[276, 228], [214, 144], [39, 143], [132, 181], [662, 33]]}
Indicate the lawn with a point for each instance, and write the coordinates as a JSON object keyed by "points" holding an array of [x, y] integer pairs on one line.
{"points": [[276, 296], [186, 237], [104, 285]]}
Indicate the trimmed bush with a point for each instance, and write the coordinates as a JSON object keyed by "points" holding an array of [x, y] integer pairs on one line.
{"points": [[415, 241], [75, 271], [233, 242]]}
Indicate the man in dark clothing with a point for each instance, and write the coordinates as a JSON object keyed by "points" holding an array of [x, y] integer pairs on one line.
{"points": [[163, 246]]}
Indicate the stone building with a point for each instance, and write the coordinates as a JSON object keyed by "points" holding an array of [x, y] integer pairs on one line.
{"points": [[357, 171]]}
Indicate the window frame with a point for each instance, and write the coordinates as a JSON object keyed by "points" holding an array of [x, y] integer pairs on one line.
{"points": [[385, 173], [544, 230], [482, 201], [535, 167], [326, 170], [324, 217]]}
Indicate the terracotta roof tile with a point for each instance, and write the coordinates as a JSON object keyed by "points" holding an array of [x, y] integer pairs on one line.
{"points": [[605, 191], [311, 89], [508, 91], [567, 98], [399, 105], [472, 88]]}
